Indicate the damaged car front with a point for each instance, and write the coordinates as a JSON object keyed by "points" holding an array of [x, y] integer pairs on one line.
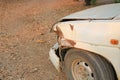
{"points": [[89, 44]]}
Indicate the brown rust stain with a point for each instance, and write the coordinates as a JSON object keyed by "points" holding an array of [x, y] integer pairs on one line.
{"points": [[72, 27], [71, 42], [59, 32]]}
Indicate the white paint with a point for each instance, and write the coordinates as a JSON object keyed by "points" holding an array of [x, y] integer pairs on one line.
{"points": [[100, 12], [54, 58], [93, 34]]}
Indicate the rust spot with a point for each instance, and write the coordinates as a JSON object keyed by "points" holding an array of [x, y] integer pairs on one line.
{"points": [[71, 42], [71, 26], [59, 32]]}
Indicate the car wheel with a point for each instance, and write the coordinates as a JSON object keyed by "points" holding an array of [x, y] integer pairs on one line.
{"points": [[83, 65]]}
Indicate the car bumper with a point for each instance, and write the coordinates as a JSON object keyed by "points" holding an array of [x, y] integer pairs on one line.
{"points": [[53, 57]]}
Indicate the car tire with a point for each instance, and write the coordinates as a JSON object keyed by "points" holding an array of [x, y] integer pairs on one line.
{"points": [[83, 65]]}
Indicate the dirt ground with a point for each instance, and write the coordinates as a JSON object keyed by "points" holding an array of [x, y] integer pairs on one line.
{"points": [[25, 37]]}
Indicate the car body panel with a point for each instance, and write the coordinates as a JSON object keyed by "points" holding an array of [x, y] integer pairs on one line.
{"points": [[53, 57], [117, 17], [94, 32], [100, 12], [109, 53], [97, 32], [94, 36]]}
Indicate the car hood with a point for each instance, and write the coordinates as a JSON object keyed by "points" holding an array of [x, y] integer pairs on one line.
{"points": [[106, 12]]}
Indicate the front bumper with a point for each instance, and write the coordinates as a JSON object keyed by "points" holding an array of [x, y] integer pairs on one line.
{"points": [[53, 57]]}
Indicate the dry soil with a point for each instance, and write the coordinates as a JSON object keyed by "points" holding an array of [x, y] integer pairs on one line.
{"points": [[25, 37]]}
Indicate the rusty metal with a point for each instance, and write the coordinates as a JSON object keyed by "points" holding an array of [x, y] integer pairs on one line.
{"points": [[92, 32], [59, 32], [81, 71], [71, 26], [73, 43]]}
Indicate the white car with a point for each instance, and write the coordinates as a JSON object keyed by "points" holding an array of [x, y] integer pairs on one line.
{"points": [[88, 46]]}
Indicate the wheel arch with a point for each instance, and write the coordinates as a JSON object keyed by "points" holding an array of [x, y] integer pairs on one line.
{"points": [[65, 50]]}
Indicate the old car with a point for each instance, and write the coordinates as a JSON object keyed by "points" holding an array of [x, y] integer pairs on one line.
{"points": [[88, 44]]}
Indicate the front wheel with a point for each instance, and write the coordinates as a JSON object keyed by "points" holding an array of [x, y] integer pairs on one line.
{"points": [[82, 65]]}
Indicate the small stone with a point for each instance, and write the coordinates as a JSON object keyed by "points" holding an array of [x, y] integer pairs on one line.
{"points": [[34, 70], [40, 41]]}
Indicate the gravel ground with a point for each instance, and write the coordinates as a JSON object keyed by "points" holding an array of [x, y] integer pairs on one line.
{"points": [[25, 38]]}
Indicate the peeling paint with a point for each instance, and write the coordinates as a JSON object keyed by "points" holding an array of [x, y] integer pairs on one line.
{"points": [[71, 42], [72, 27], [93, 32], [59, 32]]}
